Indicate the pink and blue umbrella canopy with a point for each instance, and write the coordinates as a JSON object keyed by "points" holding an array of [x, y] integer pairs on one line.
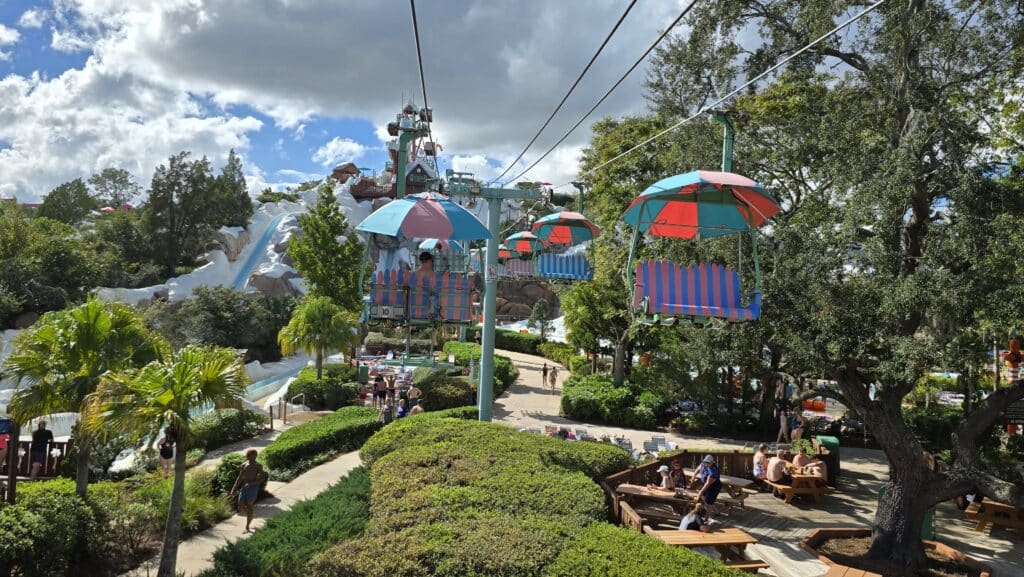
{"points": [[566, 227], [441, 244], [425, 215], [524, 242], [701, 204]]}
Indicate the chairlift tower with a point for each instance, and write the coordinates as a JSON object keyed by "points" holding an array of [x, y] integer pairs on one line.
{"points": [[463, 184], [408, 126]]}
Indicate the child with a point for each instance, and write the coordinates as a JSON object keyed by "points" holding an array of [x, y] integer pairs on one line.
{"points": [[695, 520]]}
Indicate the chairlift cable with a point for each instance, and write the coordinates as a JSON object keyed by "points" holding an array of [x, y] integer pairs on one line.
{"points": [[571, 89], [712, 106], [608, 93], [423, 81]]}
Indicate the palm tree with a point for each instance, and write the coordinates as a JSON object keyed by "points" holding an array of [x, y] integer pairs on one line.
{"points": [[169, 393], [63, 357], [317, 326]]}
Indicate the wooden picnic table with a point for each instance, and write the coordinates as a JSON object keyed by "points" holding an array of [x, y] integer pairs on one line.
{"points": [[802, 485], [733, 485], [681, 500], [730, 542], [996, 513]]}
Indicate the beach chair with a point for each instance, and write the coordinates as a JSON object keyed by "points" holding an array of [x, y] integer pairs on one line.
{"points": [[660, 442], [651, 447]]}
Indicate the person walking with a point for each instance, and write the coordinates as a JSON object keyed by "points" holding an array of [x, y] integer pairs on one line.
{"points": [[41, 441], [249, 480], [553, 377], [544, 374], [167, 451]]}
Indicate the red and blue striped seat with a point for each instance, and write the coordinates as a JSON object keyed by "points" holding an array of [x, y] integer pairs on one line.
{"points": [[563, 266], [387, 297], [419, 296], [519, 267], [706, 290]]}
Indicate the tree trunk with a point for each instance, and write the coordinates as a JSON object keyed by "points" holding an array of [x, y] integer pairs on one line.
{"points": [[619, 364], [319, 364], [896, 535], [169, 555], [82, 468]]}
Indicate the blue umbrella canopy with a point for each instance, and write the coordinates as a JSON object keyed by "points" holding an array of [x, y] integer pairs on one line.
{"points": [[441, 244], [425, 215]]}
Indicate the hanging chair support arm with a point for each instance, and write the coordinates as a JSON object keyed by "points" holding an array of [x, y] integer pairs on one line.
{"points": [[727, 140], [631, 264]]}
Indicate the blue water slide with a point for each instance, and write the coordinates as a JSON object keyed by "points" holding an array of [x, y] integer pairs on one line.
{"points": [[258, 251]]}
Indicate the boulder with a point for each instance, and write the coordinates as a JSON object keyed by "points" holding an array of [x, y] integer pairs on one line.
{"points": [[275, 284], [233, 240]]}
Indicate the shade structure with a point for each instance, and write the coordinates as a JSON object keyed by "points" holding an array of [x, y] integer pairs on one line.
{"points": [[524, 242], [566, 227], [441, 245], [425, 215], [701, 204], [504, 252]]}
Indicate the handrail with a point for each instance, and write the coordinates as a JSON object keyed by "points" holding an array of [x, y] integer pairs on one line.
{"points": [[303, 395]]}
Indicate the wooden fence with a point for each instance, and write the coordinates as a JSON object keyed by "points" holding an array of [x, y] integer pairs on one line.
{"points": [[55, 453]]}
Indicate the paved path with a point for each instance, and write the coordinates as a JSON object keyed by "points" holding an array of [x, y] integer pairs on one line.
{"points": [[778, 526]]}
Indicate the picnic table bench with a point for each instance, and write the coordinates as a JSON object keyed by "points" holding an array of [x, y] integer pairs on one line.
{"points": [[996, 513], [680, 500], [802, 485], [734, 486], [730, 544], [843, 571]]}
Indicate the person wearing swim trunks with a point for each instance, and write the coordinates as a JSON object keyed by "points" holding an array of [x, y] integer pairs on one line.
{"points": [[249, 479]]}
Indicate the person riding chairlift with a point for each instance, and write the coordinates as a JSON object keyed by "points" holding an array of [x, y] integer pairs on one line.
{"points": [[426, 262]]}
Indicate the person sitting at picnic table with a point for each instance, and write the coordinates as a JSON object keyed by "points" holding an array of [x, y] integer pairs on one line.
{"points": [[761, 462], [801, 459], [711, 478], [695, 520], [666, 480], [678, 474], [777, 469], [819, 469]]}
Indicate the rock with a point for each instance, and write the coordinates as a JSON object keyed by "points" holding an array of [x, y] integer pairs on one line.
{"points": [[275, 285], [379, 202], [525, 293], [25, 320], [233, 240]]}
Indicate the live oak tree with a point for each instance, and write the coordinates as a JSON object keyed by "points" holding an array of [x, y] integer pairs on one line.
{"points": [[114, 186], [327, 254], [890, 219]]}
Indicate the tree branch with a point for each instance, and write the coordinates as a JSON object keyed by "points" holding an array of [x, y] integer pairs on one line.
{"points": [[982, 419]]}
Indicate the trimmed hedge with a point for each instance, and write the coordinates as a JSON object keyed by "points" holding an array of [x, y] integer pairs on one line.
{"points": [[603, 550], [508, 340], [561, 353], [345, 430], [336, 389], [595, 398], [505, 372], [457, 498], [378, 344], [221, 427], [282, 546]]}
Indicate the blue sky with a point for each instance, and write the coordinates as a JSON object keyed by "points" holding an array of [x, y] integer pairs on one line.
{"points": [[296, 86]]}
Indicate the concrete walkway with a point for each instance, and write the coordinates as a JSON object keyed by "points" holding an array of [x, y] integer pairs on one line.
{"points": [[779, 527], [196, 553]]}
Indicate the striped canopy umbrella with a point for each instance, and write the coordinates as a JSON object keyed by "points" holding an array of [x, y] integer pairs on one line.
{"points": [[425, 215], [524, 242], [504, 252], [701, 204], [566, 227], [441, 244]]}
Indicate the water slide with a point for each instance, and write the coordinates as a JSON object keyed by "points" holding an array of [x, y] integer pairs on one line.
{"points": [[258, 251]]}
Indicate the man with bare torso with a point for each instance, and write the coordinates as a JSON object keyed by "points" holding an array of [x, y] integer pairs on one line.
{"points": [[249, 478]]}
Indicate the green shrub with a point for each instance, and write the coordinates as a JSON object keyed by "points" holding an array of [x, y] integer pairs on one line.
{"points": [[469, 413], [378, 344], [447, 394], [595, 398], [286, 542], [516, 341], [505, 372], [934, 426], [51, 526], [603, 550], [345, 430], [23, 550], [202, 508], [561, 353], [223, 426], [335, 390]]}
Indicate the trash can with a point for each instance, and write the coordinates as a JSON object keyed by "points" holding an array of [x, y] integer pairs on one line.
{"points": [[364, 374], [832, 444], [927, 526]]}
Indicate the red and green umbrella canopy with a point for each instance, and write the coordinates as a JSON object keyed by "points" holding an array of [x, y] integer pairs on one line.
{"points": [[701, 204], [524, 242], [566, 227], [504, 252]]}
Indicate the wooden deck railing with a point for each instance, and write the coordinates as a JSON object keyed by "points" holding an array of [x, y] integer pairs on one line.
{"points": [[55, 453]]}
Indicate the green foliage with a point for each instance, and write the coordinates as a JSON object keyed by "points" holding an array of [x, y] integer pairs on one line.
{"points": [[177, 216], [516, 341], [540, 318], [282, 547], [59, 539], [561, 353], [68, 203], [327, 254], [378, 344], [268, 195], [603, 550], [224, 317], [344, 430], [202, 509], [317, 327], [505, 372], [226, 473], [220, 427], [335, 390], [595, 398], [114, 187], [230, 201], [934, 426]]}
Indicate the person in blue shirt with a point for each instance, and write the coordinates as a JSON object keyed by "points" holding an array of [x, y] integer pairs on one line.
{"points": [[401, 411], [710, 479]]}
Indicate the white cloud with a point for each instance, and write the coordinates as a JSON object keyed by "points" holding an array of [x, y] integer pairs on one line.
{"points": [[338, 150], [8, 36], [32, 18]]}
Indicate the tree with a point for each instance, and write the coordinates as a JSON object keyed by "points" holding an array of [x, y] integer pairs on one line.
{"points": [[177, 218], [62, 358], [114, 186], [328, 255], [168, 392], [540, 318], [317, 327], [230, 198], [68, 203], [893, 206]]}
